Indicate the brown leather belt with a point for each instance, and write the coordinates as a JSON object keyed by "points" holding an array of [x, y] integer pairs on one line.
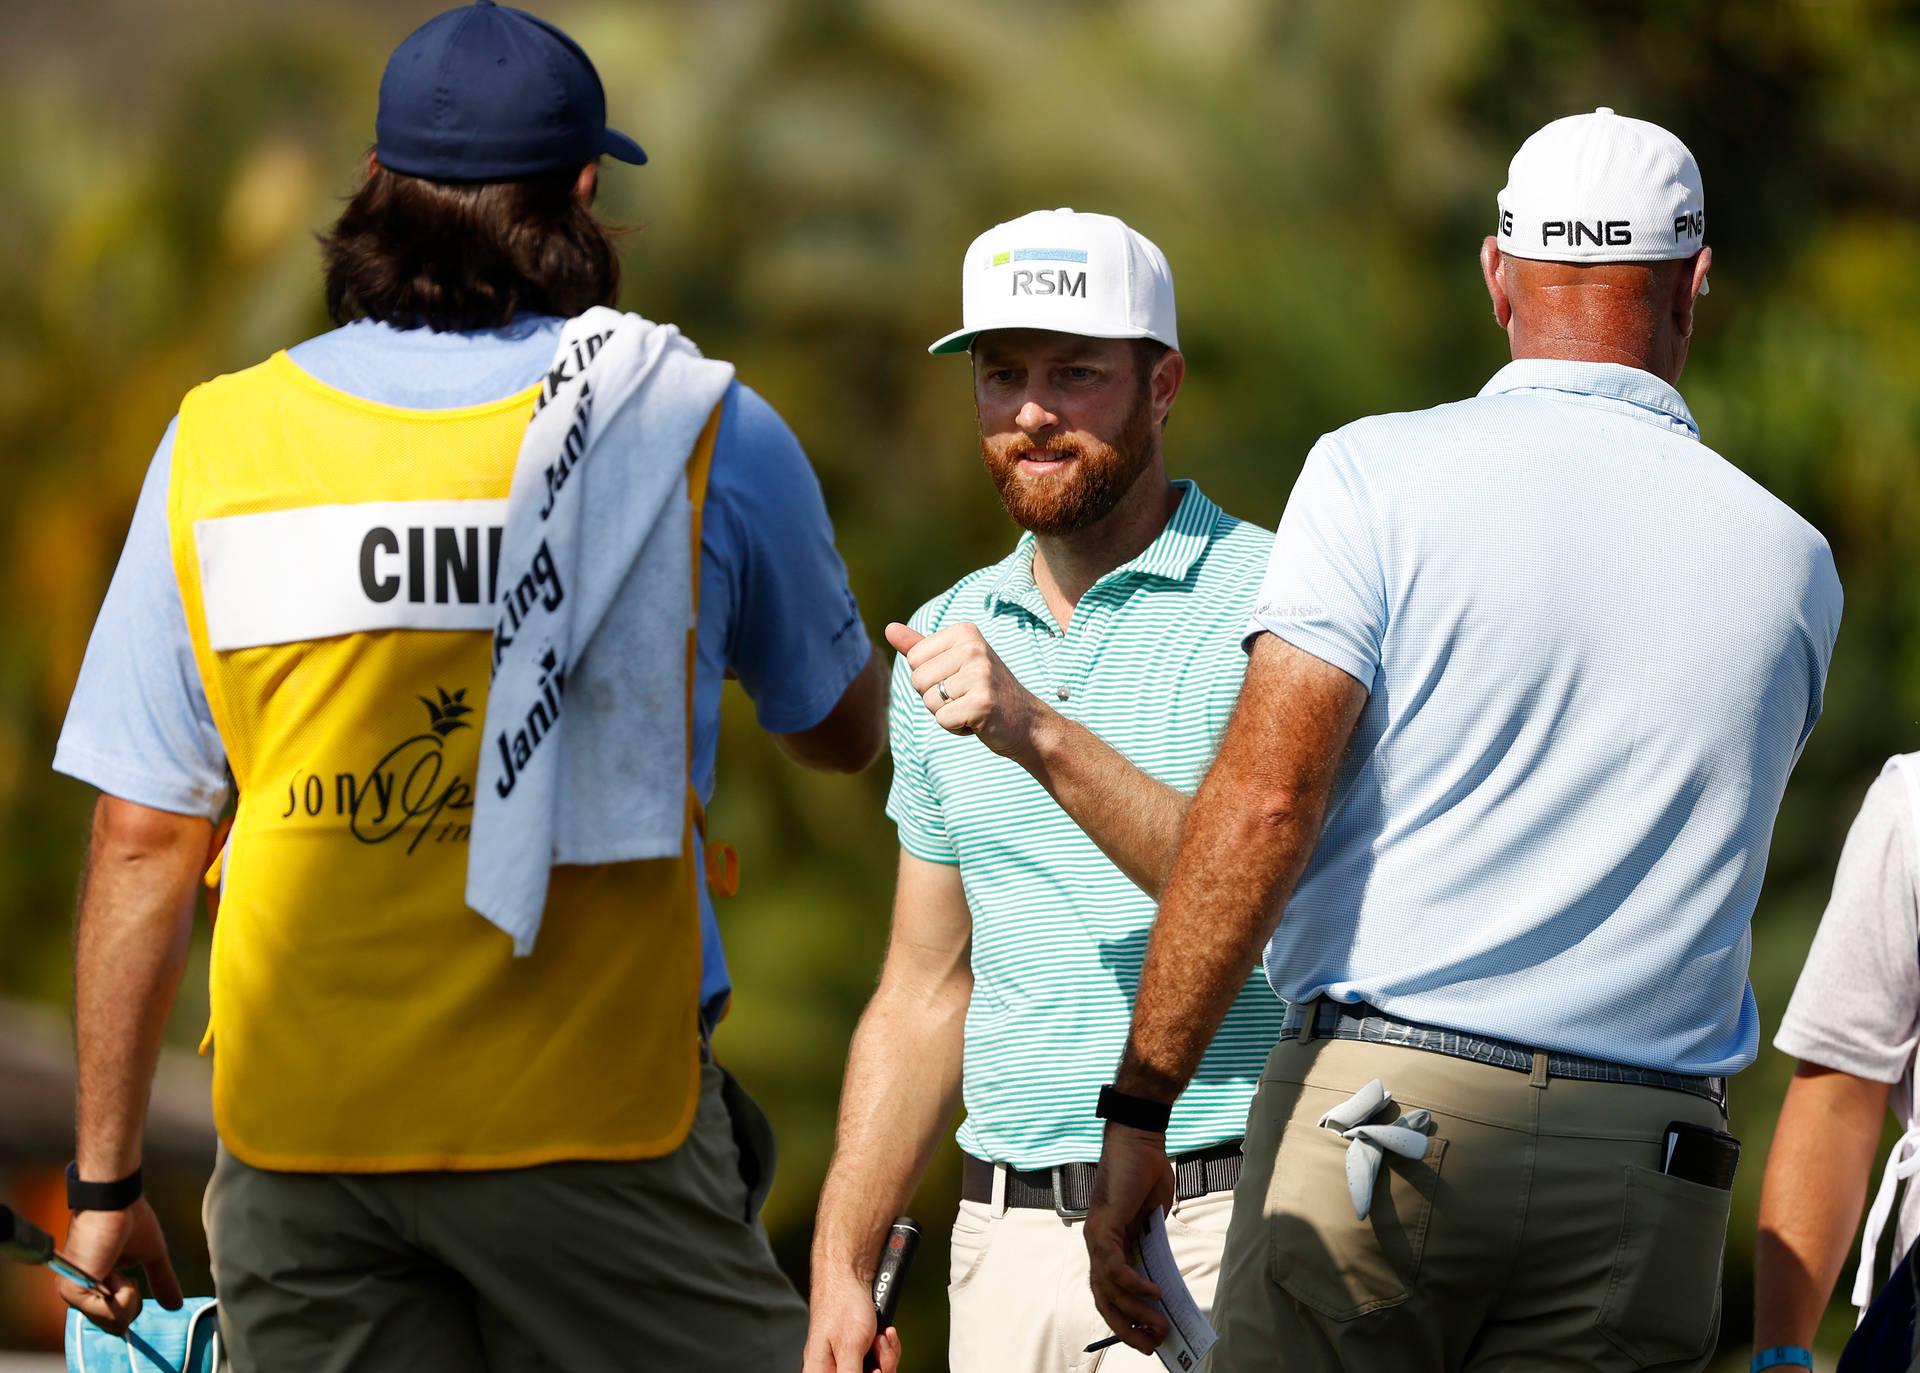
{"points": [[1064, 1190]]}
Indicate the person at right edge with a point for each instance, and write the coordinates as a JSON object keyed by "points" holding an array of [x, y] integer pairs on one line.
{"points": [[1853, 1024], [1526, 681]]}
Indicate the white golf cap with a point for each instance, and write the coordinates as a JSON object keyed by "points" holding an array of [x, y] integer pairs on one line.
{"points": [[1073, 273], [1602, 188]]}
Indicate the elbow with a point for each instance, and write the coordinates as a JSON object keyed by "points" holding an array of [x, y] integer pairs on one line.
{"points": [[853, 733], [844, 751], [861, 752], [1281, 810], [128, 831]]}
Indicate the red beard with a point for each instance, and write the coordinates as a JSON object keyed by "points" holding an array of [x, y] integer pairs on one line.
{"points": [[1082, 493]]}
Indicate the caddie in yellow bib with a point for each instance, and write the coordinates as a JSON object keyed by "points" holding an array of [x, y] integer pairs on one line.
{"points": [[443, 599], [338, 561]]}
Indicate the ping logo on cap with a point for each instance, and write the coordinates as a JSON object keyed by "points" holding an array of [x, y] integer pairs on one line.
{"points": [[1601, 187], [1610, 233]]}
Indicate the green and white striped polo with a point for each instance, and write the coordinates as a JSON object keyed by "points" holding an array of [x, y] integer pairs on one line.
{"points": [[1152, 664]]}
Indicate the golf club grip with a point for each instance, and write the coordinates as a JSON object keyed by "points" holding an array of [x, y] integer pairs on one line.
{"points": [[895, 1257], [21, 1240]]}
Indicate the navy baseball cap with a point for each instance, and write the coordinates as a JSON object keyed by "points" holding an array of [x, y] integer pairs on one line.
{"points": [[488, 93]]}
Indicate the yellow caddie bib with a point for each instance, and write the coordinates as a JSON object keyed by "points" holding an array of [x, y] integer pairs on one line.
{"points": [[336, 559]]}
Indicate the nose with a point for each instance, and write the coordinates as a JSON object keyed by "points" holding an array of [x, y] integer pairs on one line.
{"points": [[1035, 419]]}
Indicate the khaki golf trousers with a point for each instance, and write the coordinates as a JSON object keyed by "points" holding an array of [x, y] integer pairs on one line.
{"points": [[1019, 1293], [1538, 1234]]}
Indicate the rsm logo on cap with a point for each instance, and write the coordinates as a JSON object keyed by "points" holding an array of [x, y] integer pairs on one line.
{"points": [[1045, 281], [1064, 271]]}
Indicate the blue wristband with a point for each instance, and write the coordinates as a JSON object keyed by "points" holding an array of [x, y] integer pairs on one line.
{"points": [[1797, 1355]]}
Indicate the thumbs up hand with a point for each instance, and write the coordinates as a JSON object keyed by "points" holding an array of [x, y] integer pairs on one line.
{"points": [[968, 690]]}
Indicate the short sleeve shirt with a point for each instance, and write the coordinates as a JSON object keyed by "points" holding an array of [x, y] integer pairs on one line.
{"points": [[1856, 1007], [1150, 663], [1593, 650], [775, 607]]}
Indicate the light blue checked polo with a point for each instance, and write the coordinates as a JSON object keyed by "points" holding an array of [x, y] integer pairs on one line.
{"points": [[1151, 663], [1594, 650]]}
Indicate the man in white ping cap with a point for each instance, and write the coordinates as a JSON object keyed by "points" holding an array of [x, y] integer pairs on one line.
{"points": [[1526, 679], [1051, 716]]}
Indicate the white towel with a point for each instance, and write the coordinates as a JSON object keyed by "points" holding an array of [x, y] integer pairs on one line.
{"points": [[585, 752]]}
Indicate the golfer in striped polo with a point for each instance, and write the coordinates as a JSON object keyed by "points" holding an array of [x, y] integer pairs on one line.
{"points": [[1051, 716]]}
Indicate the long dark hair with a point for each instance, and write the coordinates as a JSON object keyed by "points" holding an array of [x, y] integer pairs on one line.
{"points": [[466, 254]]}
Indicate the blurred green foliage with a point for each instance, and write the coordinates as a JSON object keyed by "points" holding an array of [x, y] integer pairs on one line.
{"points": [[1319, 172]]}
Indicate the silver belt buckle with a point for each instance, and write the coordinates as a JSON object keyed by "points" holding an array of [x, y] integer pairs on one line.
{"points": [[1060, 1207]]}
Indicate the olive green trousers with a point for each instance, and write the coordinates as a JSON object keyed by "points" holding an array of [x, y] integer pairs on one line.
{"points": [[1538, 1233], [574, 1267]]}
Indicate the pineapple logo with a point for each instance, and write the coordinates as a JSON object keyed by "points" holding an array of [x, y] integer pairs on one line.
{"points": [[413, 794], [446, 715]]}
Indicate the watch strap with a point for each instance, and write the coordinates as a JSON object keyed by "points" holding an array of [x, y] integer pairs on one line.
{"points": [[101, 1196], [1783, 1355], [1138, 1112]]}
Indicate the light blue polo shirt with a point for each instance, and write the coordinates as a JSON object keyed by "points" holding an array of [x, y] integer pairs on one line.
{"points": [[1151, 663], [1594, 650], [774, 604]]}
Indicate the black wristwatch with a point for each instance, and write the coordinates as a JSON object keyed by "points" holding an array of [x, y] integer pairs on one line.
{"points": [[101, 1196], [1142, 1113]]}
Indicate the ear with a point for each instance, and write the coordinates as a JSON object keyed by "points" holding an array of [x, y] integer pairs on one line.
{"points": [[1164, 385], [587, 184], [1490, 260], [1690, 286]]}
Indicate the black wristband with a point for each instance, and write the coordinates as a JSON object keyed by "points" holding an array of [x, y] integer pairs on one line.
{"points": [[101, 1196], [1141, 1113]]}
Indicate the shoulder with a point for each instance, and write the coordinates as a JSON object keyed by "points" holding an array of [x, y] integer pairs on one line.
{"points": [[1787, 533], [227, 386], [1234, 561], [1374, 441], [750, 422], [758, 463], [1889, 803], [1234, 542], [967, 599]]}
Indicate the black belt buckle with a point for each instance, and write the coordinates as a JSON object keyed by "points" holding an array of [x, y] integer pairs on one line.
{"points": [[1060, 1207]]}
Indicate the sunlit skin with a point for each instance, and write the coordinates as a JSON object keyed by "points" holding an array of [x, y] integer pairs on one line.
{"points": [[1034, 388], [1636, 314]]}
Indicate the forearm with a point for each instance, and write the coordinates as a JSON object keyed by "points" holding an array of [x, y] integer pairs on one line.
{"points": [[1133, 818], [901, 1090], [1818, 1171], [1248, 838], [136, 913], [1230, 883]]}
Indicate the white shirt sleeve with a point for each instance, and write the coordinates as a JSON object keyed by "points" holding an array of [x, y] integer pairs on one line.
{"points": [[1857, 1004], [1325, 590], [138, 726]]}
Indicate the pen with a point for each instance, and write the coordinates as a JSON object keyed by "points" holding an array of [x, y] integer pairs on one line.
{"points": [[1098, 1345]]}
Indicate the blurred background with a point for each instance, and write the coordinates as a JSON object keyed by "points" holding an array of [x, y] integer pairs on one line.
{"points": [[1320, 174]]}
